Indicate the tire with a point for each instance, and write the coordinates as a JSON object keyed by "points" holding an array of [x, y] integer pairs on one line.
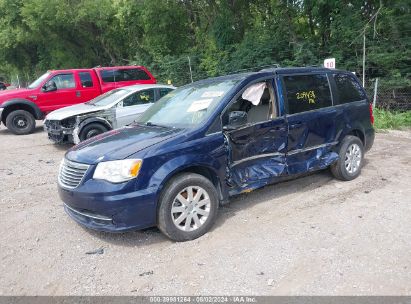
{"points": [[20, 122], [180, 185], [351, 159], [91, 130]]}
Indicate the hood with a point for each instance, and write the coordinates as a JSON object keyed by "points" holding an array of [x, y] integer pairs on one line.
{"points": [[15, 93], [78, 109], [119, 144]]}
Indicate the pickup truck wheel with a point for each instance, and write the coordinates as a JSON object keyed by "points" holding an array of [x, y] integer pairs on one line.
{"points": [[20, 122], [92, 130], [351, 159], [188, 207]]}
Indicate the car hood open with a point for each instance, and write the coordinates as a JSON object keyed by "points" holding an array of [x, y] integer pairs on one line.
{"points": [[119, 144]]}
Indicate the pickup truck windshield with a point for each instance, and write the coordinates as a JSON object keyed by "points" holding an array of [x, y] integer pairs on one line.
{"points": [[187, 106], [108, 98], [38, 81]]}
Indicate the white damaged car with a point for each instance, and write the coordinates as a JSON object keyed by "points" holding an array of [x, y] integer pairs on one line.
{"points": [[111, 110]]}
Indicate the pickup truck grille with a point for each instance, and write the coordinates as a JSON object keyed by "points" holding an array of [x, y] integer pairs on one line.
{"points": [[71, 174]]}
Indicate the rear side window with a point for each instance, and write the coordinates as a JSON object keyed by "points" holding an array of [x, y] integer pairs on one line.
{"points": [[348, 89], [123, 75], [164, 91], [85, 79], [307, 92], [138, 98]]}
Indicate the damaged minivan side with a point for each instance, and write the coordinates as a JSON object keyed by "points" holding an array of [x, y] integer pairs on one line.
{"points": [[111, 110], [209, 140]]}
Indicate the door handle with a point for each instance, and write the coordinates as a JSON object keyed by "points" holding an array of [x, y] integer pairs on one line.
{"points": [[78, 94], [278, 128]]}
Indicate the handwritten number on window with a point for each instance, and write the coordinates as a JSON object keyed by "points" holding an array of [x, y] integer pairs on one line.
{"points": [[308, 96]]}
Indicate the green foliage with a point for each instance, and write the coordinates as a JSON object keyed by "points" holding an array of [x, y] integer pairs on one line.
{"points": [[219, 36], [391, 120]]}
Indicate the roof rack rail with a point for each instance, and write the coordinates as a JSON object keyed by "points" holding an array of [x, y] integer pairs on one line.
{"points": [[263, 68]]}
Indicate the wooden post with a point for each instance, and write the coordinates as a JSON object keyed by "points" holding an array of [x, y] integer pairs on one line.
{"points": [[374, 101], [189, 65], [363, 61]]}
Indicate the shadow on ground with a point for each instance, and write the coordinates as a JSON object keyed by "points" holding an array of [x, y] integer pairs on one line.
{"points": [[238, 203]]}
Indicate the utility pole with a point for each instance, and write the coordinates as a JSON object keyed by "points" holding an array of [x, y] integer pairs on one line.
{"points": [[189, 65], [363, 60]]}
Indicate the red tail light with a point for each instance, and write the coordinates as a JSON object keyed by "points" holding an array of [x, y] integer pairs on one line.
{"points": [[371, 114]]}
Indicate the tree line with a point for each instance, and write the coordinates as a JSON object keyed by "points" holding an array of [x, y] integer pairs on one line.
{"points": [[217, 36]]}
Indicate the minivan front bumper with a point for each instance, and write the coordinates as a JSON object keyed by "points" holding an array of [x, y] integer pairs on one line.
{"points": [[115, 210]]}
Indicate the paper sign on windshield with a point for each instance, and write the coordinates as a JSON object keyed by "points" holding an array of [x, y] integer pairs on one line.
{"points": [[199, 105], [212, 94]]}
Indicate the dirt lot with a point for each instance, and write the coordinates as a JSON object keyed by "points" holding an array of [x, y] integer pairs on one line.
{"points": [[315, 235]]}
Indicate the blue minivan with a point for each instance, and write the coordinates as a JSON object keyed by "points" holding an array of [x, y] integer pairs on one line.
{"points": [[212, 139]]}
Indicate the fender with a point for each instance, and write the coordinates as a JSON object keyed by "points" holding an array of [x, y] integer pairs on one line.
{"points": [[37, 113], [180, 163], [79, 126], [88, 120], [353, 126]]}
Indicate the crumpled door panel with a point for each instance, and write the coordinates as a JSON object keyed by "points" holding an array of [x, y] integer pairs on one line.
{"points": [[256, 154], [312, 139]]}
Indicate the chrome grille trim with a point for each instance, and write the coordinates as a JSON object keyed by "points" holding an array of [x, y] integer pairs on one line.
{"points": [[71, 174], [89, 215]]}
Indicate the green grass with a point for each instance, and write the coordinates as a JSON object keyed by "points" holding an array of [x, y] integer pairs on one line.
{"points": [[391, 119]]}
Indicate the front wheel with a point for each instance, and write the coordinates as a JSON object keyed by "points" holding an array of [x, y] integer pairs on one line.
{"points": [[188, 207], [20, 122], [92, 130], [351, 159]]}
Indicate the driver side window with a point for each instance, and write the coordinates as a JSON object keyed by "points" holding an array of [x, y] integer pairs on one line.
{"points": [[64, 81], [256, 104]]}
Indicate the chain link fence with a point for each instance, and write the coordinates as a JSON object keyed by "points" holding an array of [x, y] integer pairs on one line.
{"points": [[394, 99], [20, 81]]}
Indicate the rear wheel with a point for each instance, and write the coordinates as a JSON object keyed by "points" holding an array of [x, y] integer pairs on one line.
{"points": [[92, 130], [188, 207], [351, 159], [20, 122]]}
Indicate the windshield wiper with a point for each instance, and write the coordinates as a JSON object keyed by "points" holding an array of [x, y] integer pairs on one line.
{"points": [[150, 124]]}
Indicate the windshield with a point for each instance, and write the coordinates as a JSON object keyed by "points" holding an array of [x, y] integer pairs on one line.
{"points": [[108, 98], [187, 106], [39, 81]]}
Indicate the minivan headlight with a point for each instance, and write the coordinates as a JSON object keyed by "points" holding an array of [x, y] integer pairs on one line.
{"points": [[118, 171]]}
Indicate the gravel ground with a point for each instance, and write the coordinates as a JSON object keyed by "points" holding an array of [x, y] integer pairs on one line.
{"points": [[311, 236]]}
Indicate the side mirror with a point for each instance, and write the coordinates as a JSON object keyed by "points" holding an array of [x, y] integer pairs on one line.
{"points": [[50, 86], [236, 119]]}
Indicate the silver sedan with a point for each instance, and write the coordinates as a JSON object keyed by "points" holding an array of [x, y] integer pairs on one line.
{"points": [[111, 110]]}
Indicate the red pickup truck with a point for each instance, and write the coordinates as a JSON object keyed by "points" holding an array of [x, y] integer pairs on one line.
{"points": [[56, 89]]}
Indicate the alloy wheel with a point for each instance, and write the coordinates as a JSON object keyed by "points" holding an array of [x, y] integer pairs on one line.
{"points": [[353, 157], [191, 208]]}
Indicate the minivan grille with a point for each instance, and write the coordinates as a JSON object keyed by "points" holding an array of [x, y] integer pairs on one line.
{"points": [[71, 174]]}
